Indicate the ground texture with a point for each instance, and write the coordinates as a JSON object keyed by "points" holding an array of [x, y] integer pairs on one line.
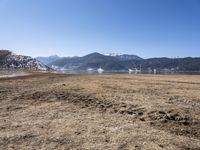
{"points": [[118, 112]]}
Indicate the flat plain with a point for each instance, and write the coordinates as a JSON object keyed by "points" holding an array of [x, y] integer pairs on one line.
{"points": [[118, 112]]}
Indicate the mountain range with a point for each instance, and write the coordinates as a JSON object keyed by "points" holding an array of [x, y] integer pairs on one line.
{"points": [[48, 60], [120, 62], [94, 61]]}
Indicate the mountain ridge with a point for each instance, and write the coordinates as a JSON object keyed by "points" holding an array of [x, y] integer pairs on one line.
{"points": [[96, 60], [10, 60]]}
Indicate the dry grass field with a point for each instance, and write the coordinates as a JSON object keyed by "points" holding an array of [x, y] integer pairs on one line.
{"points": [[100, 112]]}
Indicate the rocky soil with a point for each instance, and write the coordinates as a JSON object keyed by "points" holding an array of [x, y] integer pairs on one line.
{"points": [[118, 112]]}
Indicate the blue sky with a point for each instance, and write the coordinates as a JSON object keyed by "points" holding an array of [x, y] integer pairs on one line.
{"points": [[148, 28]]}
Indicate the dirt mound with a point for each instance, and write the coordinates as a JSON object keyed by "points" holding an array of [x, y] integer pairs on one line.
{"points": [[83, 101], [176, 122]]}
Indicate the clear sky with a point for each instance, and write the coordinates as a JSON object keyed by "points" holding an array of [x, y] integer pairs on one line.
{"points": [[148, 28]]}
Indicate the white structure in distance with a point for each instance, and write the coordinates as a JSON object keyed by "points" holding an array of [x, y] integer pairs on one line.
{"points": [[100, 70]]}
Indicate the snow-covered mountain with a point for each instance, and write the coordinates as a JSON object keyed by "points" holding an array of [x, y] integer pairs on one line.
{"points": [[124, 56], [113, 54], [10, 60]]}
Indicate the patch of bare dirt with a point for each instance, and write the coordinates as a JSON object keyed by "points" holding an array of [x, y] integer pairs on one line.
{"points": [[57, 111], [176, 122]]}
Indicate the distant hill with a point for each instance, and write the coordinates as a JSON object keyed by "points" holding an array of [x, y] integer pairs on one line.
{"points": [[118, 62], [94, 60], [48, 60], [180, 64], [9, 60]]}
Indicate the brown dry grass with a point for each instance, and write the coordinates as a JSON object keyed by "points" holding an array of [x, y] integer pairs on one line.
{"points": [[55, 111]]}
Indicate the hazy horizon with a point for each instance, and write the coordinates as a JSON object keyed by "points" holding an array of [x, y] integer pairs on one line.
{"points": [[99, 53], [76, 28], [116, 53]]}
